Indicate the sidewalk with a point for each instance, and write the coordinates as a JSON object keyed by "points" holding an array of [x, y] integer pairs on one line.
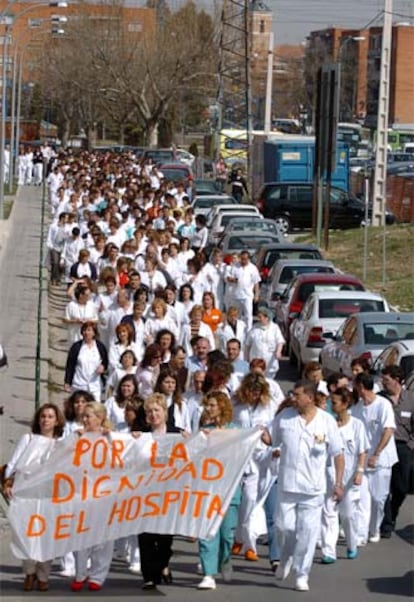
{"points": [[19, 290]]}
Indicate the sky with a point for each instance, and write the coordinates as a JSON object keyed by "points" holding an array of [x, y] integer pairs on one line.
{"points": [[294, 19]]}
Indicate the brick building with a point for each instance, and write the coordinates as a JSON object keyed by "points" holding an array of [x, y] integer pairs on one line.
{"points": [[359, 52]]}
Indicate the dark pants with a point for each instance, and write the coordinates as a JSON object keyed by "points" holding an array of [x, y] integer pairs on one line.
{"points": [[399, 487], [55, 271], [155, 551]]}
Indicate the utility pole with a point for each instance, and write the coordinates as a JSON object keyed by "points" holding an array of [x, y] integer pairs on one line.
{"points": [[380, 177]]}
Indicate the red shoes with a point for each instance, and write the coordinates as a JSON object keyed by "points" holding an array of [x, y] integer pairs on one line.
{"points": [[76, 586], [237, 548], [251, 555]]}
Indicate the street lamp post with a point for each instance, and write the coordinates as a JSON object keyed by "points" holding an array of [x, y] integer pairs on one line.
{"points": [[8, 21], [342, 45], [6, 42], [17, 82]]}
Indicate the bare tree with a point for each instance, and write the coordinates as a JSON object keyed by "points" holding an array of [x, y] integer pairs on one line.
{"points": [[99, 71]]}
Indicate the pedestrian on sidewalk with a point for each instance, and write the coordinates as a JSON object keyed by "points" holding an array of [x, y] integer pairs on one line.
{"points": [[48, 422]]}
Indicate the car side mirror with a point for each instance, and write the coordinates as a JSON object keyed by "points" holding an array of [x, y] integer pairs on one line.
{"points": [[328, 335]]}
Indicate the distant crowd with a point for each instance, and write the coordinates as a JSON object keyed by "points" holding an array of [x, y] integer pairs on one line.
{"points": [[166, 338]]}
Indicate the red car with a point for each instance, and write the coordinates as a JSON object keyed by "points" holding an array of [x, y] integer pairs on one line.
{"points": [[290, 304]]}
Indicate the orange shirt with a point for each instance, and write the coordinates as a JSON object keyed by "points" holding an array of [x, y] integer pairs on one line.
{"points": [[212, 318]]}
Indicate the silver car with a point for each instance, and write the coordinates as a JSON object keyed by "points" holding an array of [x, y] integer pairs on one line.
{"points": [[203, 204], [365, 335]]}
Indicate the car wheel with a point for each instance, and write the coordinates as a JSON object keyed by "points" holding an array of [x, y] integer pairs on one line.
{"points": [[283, 224]]}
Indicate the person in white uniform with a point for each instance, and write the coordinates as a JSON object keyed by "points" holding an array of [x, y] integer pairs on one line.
{"points": [[246, 277], [253, 407], [377, 414], [265, 341], [305, 437], [100, 555], [355, 445]]}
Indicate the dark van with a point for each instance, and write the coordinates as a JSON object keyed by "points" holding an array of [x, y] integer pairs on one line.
{"points": [[290, 205]]}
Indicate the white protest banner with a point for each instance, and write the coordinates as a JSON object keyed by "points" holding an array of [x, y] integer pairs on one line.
{"points": [[82, 491]]}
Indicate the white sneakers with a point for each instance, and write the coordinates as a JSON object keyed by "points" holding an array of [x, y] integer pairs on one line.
{"points": [[374, 538], [207, 582], [302, 584], [67, 573], [135, 568]]}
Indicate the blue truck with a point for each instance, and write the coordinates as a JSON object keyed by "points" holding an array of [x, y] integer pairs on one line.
{"points": [[292, 159]]}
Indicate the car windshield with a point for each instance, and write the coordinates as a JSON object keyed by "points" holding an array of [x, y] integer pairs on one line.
{"points": [[205, 203], [175, 174], [338, 308], [290, 272], [385, 333], [251, 242], [257, 224], [273, 256], [226, 219], [311, 287]]}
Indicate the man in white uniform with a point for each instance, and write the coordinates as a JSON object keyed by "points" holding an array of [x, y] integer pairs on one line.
{"points": [[306, 436], [246, 277], [265, 341], [377, 414]]}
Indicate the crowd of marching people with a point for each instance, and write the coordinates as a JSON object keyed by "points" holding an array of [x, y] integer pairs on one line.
{"points": [[163, 337]]}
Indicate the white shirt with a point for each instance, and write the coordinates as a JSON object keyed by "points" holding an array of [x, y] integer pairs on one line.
{"points": [[304, 450], [78, 311], [262, 342], [116, 414], [86, 377], [225, 332], [354, 442], [377, 416], [247, 276], [154, 325]]}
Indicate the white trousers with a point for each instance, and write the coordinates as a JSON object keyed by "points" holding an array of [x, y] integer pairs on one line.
{"points": [[67, 562], [347, 510], [298, 524], [40, 569], [245, 307], [101, 558], [28, 171], [373, 496], [38, 173], [246, 532]]}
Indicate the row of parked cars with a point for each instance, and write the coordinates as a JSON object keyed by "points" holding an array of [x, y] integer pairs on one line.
{"points": [[324, 314]]}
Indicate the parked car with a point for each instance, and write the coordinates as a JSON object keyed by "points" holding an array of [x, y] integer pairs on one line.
{"points": [[253, 222], [290, 204], [399, 353], [267, 255], [284, 271], [208, 187], [177, 172], [184, 156], [322, 315], [219, 223], [238, 208], [203, 204], [366, 335], [236, 242], [159, 155], [295, 296]]}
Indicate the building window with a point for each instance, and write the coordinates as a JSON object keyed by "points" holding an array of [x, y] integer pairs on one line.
{"points": [[262, 26], [135, 27]]}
